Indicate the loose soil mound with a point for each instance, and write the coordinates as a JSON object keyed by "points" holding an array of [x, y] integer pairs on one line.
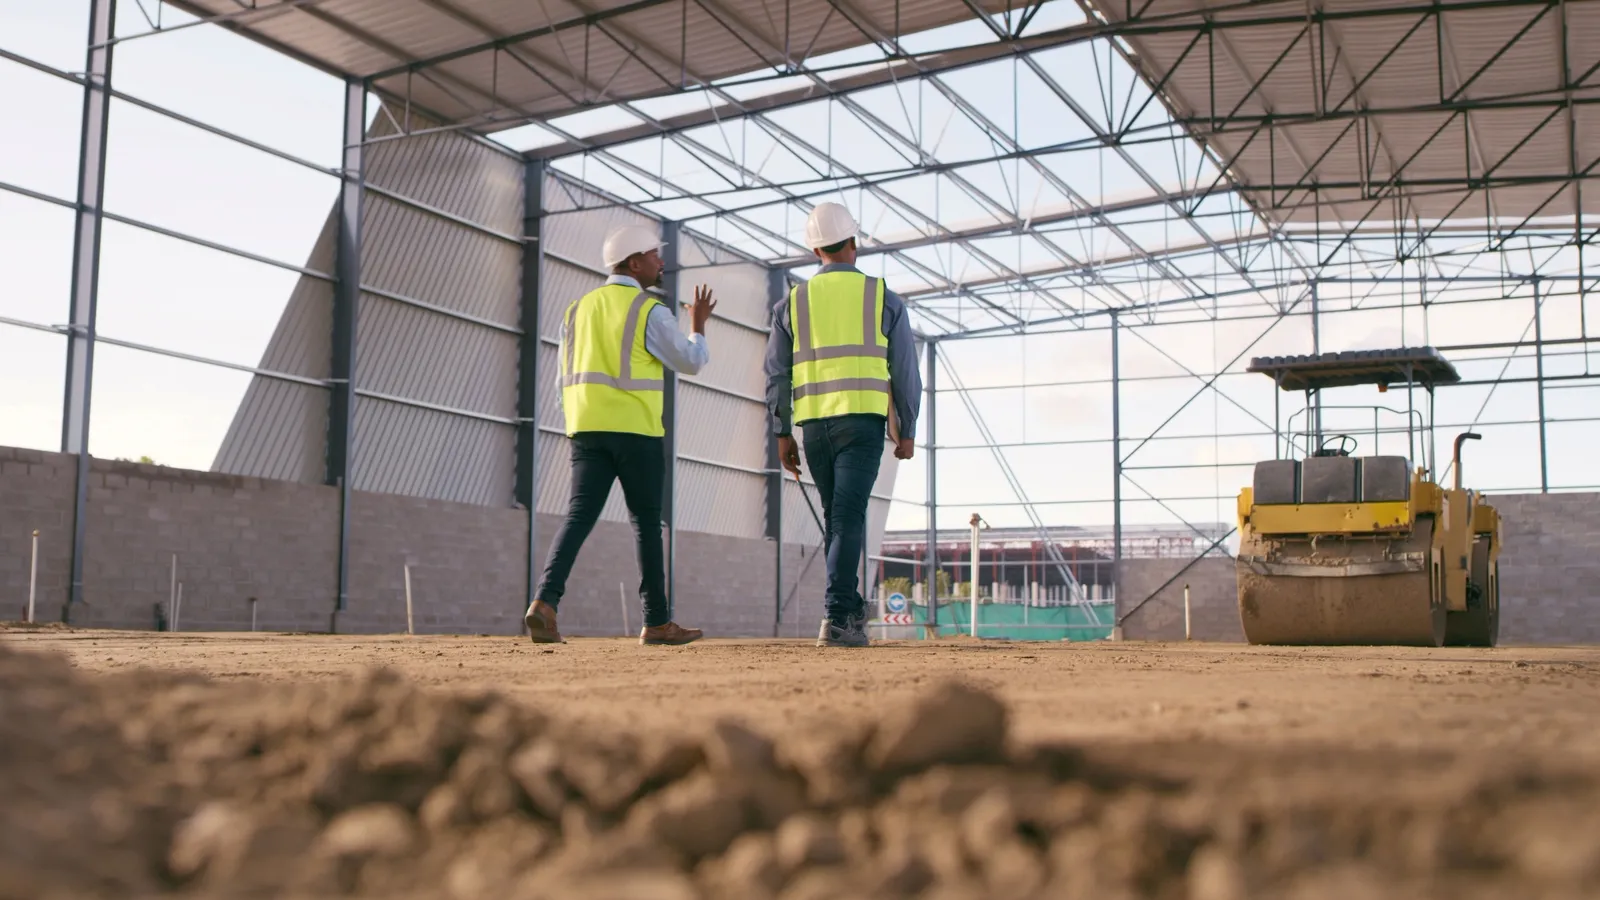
{"points": [[145, 784]]}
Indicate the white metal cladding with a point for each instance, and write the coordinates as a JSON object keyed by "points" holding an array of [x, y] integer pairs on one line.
{"points": [[470, 179], [715, 500], [1412, 115], [722, 428], [424, 257], [450, 259], [552, 60], [403, 449], [280, 428], [291, 448], [420, 355], [743, 293]]}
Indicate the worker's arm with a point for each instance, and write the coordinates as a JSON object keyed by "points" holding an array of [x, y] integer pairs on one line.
{"points": [[780, 385], [666, 342], [905, 378]]}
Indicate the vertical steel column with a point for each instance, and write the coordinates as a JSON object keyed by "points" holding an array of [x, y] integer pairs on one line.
{"points": [[931, 416], [1116, 458], [346, 312], [527, 476], [1538, 357], [86, 276], [669, 418], [777, 286], [1316, 349]]}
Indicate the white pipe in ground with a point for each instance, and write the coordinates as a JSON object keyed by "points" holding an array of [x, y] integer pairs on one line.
{"points": [[172, 594], [33, 576], [975, 520], [410, 628]]}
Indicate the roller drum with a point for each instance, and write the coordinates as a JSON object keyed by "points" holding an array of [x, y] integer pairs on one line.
{"points": [[1329, 608]]}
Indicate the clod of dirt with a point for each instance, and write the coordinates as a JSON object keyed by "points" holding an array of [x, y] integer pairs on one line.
{"points": [[144, 785], [952, 724], [381, 830]]}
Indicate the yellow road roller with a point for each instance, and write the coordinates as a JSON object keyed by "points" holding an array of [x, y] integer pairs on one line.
{"points": [[1337, 548]]}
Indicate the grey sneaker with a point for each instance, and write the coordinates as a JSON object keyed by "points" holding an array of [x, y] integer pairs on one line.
{"points": [[852, 633]]}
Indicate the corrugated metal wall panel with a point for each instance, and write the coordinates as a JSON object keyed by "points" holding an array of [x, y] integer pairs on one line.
{"points": [[720, 501], [291, 449], [462, 177], [416, 452], [722, 428], [738, 359], [413, 354], [741, 288], [412, 253], [280, 428], [419, 355], [404, 351]]}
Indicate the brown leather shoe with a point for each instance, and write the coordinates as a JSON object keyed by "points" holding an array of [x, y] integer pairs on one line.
{"points": [[541, 622], [671, 634]]}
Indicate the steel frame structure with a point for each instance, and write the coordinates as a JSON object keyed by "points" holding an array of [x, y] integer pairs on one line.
{"points": [[1239, 245]]}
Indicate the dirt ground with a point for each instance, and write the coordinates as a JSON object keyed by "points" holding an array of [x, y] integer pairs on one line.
{"points": [[1547, 698], [957, 768]]}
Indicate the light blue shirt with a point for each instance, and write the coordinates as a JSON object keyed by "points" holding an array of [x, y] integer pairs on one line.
{"points": [[686, 354]]}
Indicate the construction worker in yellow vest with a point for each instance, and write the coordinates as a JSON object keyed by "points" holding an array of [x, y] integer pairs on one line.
{"points": [[840, 362], [616, 342]]}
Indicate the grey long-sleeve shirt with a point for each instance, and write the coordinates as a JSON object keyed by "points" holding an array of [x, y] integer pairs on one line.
{"points": [[905, 380], [663, 339]]}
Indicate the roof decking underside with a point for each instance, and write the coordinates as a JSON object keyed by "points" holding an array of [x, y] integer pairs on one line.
{"points": [[496, 63], [1386, 109]]}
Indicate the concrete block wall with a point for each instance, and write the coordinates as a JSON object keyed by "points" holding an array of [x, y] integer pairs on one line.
{"points": [[235, 538], [1213, 599], [1549, 568], [36, 493], [239, 537]]}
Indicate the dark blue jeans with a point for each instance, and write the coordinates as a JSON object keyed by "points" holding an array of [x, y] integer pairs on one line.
{"points": [[843, 454], [599, 459]]}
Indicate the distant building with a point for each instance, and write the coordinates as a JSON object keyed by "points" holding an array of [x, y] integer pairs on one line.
{"points": [[1020, 556]]}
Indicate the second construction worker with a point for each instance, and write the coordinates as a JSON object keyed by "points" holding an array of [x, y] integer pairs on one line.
{"points": [[840, 359], [615, 342]]}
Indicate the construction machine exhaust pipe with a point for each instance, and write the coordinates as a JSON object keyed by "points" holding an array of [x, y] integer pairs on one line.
{"points": [[1455, 460]]}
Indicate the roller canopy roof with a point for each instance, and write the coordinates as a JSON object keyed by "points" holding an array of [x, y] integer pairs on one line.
{"points": [[1406, 365]]}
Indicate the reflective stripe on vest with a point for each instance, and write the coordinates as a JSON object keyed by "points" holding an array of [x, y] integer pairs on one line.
{"points": [[839, 370], [620, 385]]}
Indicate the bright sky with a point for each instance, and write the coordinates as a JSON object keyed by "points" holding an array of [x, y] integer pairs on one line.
{"points": [[162, 292]]}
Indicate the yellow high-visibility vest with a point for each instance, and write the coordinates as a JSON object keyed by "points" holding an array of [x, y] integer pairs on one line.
{"points": [[841, 358], [609, 381]]}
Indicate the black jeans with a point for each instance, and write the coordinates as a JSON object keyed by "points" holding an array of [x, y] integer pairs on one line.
{"points": [[843, 454], [598, 459]]}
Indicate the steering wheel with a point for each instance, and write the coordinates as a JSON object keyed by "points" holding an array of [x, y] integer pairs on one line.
{"points": [[1346, 445]]}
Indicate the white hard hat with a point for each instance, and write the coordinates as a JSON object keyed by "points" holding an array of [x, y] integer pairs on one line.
{"points": [[829, 224], [628, 240]]}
